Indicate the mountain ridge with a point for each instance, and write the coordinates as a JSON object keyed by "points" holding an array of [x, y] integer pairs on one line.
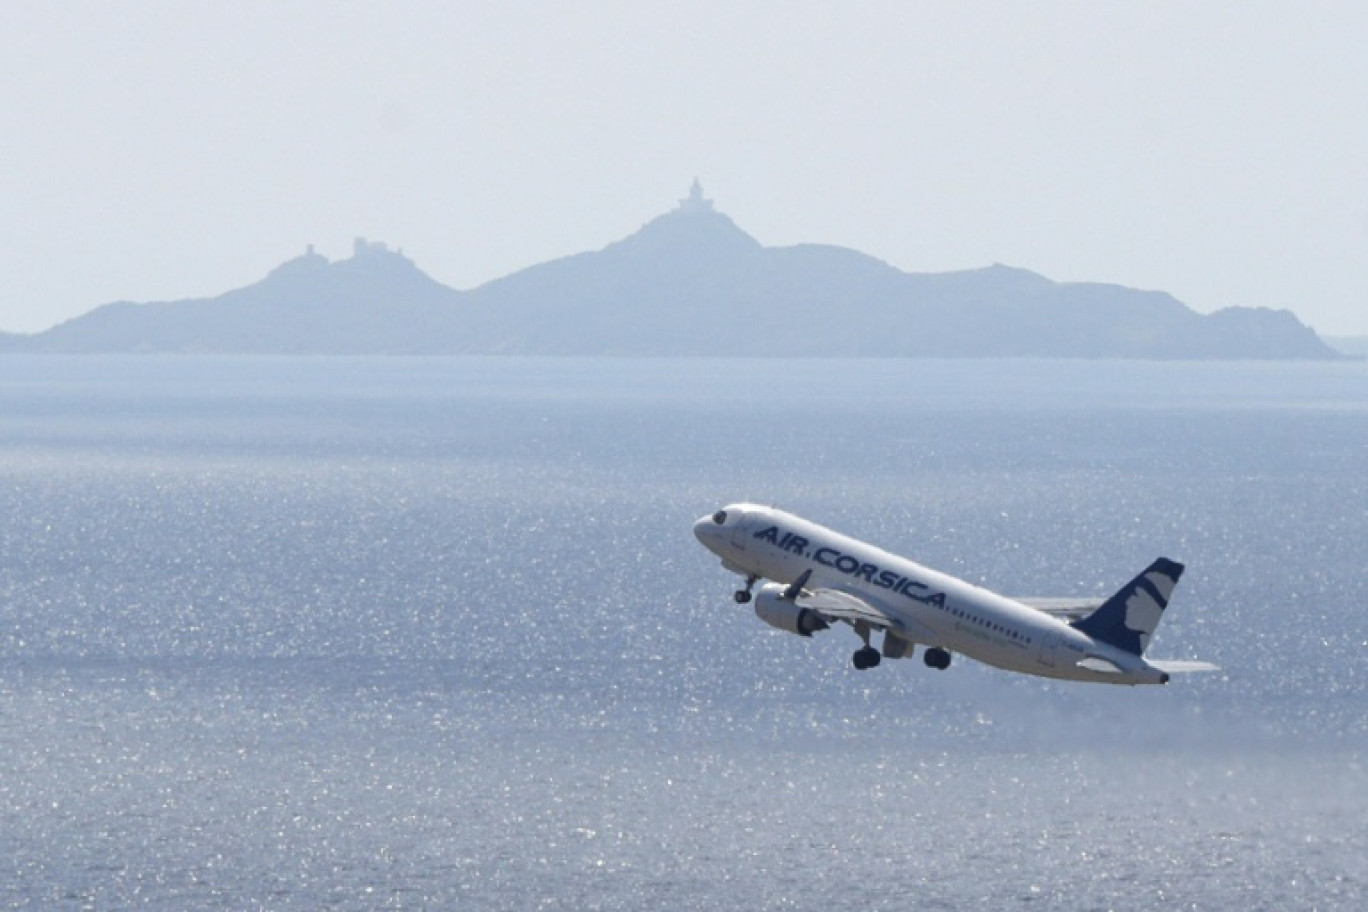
{"points": [[689, 282]]}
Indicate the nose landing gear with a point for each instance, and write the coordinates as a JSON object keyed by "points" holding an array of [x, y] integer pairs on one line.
{"points": [[743, 596]]}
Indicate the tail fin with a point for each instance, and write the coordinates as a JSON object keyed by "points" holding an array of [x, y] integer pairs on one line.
{"points": [[1128, 618]]}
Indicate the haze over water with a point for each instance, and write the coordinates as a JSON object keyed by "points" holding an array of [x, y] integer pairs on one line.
{"points": [[373, 633]]}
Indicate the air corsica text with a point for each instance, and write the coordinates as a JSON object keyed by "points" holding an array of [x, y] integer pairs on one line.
{"points": [[851, 566]]}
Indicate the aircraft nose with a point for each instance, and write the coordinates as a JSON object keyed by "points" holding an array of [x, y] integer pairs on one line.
{"points": [[705, 530], [709, 529]]}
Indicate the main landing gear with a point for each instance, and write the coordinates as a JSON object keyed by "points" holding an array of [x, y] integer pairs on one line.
{"points": [[743, 596], [936, 658], [866, 657]]}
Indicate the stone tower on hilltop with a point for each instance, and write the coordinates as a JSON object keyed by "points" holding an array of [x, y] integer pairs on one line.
{"points": [[696, 201]]}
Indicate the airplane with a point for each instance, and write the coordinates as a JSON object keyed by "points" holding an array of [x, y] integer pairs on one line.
{"points": [[821, 577]]}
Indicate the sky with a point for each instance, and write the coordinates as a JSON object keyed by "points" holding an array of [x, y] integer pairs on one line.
{"points": [[165, 150]]}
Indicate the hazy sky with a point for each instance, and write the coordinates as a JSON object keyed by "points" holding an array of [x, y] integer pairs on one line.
{"points": [[155, 151]]}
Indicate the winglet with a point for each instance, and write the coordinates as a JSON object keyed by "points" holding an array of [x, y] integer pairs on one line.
{"points": [[795, 588]]}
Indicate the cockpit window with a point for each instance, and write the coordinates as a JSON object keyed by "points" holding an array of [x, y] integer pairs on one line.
{"points": [[720, 517]]}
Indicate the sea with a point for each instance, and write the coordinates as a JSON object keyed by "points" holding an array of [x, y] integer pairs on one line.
{"points": [[294, 633]]}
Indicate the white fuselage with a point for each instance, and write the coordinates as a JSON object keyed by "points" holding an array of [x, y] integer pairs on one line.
{"points": [[927, 607]]}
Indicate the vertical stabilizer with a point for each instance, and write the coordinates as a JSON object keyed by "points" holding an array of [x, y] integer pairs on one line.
{"points": [[1127, 619]]}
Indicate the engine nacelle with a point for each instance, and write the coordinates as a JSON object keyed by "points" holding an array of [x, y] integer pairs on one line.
{"points": [[777, 611]]}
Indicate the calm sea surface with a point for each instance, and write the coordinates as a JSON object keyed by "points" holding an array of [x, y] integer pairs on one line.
{"points": [[429, 634]]}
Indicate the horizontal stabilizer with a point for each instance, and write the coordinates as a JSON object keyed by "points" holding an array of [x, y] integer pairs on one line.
{"points": [[1100, 665], [1069, 609], [1184, 666]]}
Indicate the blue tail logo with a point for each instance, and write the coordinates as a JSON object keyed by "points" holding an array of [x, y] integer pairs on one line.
{"points": [[1127, 619]]}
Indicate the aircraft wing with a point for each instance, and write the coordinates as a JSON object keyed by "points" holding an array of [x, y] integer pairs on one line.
{"points": [[842, 606], [1068, 609], [859, 611]]}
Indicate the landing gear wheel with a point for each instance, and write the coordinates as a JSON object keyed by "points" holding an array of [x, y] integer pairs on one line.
{"points": [[936, 658], [743, 596], [866, 657]]}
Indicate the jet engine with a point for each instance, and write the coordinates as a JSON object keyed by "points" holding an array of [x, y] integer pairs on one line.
{"points": [[777, 611]]}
